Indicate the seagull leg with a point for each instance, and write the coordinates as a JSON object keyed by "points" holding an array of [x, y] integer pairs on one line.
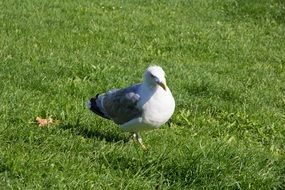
{"points": [[138, 138]]}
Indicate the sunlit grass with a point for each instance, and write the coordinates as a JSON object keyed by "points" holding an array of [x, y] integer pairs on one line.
{"points": [[224, 62]]}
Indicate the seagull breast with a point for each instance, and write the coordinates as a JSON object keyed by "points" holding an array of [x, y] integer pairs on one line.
{"points": [[158, 107]]}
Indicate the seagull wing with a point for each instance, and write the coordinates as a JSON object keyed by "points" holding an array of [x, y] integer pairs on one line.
{"points": [[120, 105]]}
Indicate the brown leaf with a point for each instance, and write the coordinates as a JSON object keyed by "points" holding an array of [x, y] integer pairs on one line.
{"points": [[43, 122]]}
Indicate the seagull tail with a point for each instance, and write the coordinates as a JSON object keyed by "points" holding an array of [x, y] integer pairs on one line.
{"points": [[91, 104]]}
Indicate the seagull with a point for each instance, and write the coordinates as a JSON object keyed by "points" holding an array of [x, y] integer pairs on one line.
{"points": [[140, 107]]}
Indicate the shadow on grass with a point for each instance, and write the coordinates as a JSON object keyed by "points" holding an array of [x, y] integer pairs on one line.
{"points": [[108, 136]]}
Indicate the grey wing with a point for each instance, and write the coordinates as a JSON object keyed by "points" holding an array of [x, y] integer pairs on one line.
{"points": [[121, 105]]}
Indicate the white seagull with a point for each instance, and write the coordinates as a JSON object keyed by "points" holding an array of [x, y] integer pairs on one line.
{"points": [[137, 108]]}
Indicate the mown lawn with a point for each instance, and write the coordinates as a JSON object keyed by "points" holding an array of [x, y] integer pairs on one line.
{"points": [[225, 64]]}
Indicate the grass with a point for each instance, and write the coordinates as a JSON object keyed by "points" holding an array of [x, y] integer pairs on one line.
{"points": [[225, 66]]}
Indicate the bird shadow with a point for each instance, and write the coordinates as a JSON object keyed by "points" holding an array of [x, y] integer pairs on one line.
{"points": [[94, 133]]}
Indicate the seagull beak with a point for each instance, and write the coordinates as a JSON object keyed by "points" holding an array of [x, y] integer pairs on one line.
{"points": [[163, 85]]}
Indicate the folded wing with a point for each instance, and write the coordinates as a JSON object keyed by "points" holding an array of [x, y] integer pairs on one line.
{"points": [[120, 105]]}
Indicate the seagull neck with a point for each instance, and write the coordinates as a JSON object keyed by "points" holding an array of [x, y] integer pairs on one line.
{"points": [[149, 86]]}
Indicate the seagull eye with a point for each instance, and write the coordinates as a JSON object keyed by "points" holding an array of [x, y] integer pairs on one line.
{"points": [[152, 75]]}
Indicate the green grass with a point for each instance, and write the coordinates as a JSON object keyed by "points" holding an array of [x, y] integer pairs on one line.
{"points": [[225, 64]]}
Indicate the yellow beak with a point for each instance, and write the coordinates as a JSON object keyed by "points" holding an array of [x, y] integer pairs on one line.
{"points": [[163, 85]]}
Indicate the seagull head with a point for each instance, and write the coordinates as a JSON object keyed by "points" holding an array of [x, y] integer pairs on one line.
{"points": [[154, 76]]}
